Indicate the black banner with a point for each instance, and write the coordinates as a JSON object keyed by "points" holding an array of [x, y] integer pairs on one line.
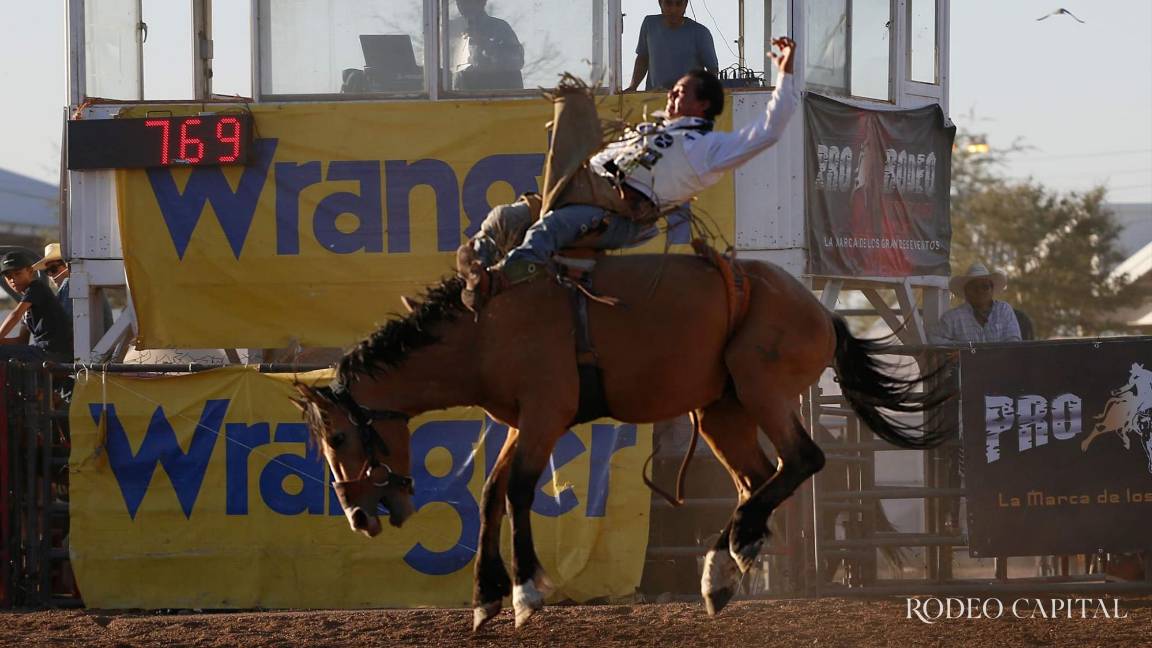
{"points": [[1057, 441], [877, 190]]}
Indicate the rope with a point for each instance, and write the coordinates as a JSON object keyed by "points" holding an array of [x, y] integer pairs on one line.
{"points": [[678, 500]]}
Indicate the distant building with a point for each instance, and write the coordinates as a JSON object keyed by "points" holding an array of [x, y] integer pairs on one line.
{"points": [[1135, 221], [1135, 242], [29, 210]]}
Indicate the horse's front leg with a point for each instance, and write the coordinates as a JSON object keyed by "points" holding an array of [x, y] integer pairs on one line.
{"points": [[531, 584], [492, 583]]}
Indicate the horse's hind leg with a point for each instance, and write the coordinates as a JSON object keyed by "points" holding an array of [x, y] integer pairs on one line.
{"points": [[1096, 431], [732, 435], [1146, 440], [491, 582], [800, 458]]}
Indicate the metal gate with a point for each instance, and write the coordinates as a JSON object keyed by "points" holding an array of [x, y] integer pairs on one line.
{"points": [[828, 538], [849, 561], [34, 477]]}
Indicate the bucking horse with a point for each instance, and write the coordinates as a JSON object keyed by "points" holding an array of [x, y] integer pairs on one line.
{"points": [[671, 346]]}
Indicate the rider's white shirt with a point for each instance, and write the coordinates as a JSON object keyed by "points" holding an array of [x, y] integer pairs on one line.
{"points": [[674, 161]]}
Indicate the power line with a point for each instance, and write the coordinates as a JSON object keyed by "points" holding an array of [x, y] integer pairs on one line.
{"points": [[1082, 174], [717, 25], [1079, 155]]}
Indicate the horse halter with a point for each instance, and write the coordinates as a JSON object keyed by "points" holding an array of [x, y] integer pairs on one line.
{"points": [[362, 418]]}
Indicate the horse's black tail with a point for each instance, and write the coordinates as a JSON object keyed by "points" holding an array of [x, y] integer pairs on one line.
{"points": [[870, 386]]}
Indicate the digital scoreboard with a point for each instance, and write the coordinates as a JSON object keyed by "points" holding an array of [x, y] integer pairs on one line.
{"points": [[165, 141]]}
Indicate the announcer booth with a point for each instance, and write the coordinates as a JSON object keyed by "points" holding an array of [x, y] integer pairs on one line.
{"points": [[266, 181], [312, 65]]}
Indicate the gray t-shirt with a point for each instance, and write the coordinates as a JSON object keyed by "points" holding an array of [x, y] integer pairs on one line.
{"points": [[672, 52]]}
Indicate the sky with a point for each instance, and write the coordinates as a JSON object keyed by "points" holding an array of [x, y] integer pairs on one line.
{"points": [[1075, 97]]}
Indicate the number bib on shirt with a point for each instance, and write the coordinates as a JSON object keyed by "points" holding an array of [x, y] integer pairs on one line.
{"points": [[655, 162]]}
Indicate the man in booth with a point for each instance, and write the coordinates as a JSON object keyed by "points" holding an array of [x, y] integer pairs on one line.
{"points": [[670, 45], [486, 54]]}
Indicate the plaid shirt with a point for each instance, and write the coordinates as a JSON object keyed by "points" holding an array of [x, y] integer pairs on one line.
{"points": [[959, 325]]}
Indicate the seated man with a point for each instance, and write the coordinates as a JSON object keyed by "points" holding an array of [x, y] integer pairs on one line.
{"points": [[47, 333], [486, 54], [653, 170], [982, 317]]}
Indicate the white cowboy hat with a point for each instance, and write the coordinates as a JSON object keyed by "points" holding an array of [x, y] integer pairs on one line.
{"points": [[51, 253], [978, 271]]}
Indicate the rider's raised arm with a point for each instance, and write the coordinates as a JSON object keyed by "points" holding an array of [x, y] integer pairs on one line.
{"points": [[728, 150]]}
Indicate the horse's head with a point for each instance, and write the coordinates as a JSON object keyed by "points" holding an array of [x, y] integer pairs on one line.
{"points": [[368, 452]]}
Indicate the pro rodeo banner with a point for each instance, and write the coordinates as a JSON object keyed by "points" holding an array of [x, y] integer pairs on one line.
{"points": [[343, 209], [1058, 447], [877, 190], [203, 491]]}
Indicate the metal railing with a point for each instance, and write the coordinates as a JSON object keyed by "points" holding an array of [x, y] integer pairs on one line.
{"points": [[801, 557], [35, 483]]}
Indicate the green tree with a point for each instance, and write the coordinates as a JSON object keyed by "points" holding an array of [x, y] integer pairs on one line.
{"points": [[1057, 249]]}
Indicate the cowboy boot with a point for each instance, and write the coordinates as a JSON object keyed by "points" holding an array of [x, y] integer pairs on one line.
{"points": [[470, 265], [480, 284], [477, 288]]}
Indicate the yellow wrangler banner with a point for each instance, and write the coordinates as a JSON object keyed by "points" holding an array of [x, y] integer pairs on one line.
{"points": [[343, 209], [201, 491]]}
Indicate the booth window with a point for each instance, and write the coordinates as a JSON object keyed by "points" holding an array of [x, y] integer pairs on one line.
{"points": [[763, 21], [112, 50], [923, 60], [331, 47], [848, 48], [502, 47], [775, 21]]}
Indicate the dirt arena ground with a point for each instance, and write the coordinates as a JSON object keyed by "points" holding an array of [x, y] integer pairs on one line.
{"points": [[809, 622]]}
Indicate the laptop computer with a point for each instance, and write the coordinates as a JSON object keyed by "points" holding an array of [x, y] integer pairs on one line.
{"points": [[389, 55]]}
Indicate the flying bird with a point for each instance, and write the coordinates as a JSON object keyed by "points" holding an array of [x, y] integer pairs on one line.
{"points": [[1059, 12]]}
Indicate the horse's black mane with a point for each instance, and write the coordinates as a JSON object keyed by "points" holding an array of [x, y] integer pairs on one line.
{"points": [[390, 345]]}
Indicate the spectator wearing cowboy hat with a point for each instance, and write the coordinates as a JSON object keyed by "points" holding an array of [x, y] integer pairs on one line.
{"points": [[54, 265], [47, 333], [58, 270], [982, 317]]}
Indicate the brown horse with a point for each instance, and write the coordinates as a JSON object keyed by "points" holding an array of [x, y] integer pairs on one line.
{"points": [[665, 350]]}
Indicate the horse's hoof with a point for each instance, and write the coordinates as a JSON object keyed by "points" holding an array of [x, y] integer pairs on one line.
{"points": [[745, 556], [526, 600], [482, 614], [718, 584], [715, 601]]}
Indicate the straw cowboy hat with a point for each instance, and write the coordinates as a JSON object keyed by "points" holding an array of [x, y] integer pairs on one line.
{"points": [[51, 253], [978, 271]]}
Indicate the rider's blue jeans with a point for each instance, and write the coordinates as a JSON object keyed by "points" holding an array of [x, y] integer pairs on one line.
{"points": [[560, 227]]}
